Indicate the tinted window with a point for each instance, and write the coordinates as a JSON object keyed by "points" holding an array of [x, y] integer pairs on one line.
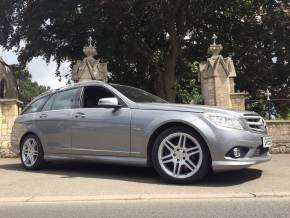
{"points": [[36, 106], [48, 104], [138, 95], [65, 99]]}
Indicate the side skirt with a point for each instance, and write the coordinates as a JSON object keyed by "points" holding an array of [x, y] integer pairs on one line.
{"points": [[133, 161]]}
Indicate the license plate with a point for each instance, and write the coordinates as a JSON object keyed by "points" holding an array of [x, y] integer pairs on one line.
{"points": [[267, 142]]}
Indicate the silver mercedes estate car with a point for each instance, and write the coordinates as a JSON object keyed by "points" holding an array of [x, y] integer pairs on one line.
{"points": [[125, 125]]}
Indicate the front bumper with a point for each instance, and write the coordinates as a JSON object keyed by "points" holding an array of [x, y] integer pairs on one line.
{"points": [[236, 164], [251, 140], [222, 140]]}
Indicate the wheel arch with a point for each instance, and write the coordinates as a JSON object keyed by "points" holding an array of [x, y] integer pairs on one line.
{"points": [[168, 125], [25, 135]]}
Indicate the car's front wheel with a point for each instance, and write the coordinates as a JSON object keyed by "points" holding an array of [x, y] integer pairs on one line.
{"points": [[31, 153], [180, 156]]}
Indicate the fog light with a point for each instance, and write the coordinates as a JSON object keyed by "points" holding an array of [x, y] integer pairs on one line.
{"points": [[237, 152]]}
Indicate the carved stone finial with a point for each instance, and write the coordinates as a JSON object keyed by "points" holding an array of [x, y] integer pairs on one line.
{"points": [[214, 38], [89, 68], [214, 48], [90, 40], [90, 51]]}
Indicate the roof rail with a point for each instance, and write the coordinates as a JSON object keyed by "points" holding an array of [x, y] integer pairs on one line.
{"points": [[71, 85]]}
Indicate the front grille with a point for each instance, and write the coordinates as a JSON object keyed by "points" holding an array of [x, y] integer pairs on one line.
{"points": [[255, 122]]}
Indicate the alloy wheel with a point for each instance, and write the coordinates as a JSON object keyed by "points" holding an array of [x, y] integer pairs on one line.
{"points": [[29, 152], [180, 155]]}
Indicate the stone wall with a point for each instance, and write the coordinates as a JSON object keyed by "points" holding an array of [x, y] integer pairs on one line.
{"points": [[9, 110], [238, 100], [280, 132]]}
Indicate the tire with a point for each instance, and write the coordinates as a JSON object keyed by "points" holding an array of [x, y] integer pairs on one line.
{"points": [[31, 153], [180, 156]]}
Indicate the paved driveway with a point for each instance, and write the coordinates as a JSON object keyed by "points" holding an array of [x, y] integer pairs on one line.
{"points": [[92, 180]]}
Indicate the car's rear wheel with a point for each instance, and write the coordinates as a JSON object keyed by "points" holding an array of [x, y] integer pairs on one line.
{"points": [[31, 153], [180, 156]]}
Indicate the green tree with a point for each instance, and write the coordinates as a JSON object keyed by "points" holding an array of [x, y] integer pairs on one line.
{"points": [[188, 90], [150, 43], [27, 88]]}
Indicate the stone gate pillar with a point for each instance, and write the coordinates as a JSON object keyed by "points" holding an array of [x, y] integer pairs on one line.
{"points": [[216, 76], [9, 110]]}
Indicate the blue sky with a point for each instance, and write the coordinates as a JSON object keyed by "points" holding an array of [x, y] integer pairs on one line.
{"points": [[41, 72]]}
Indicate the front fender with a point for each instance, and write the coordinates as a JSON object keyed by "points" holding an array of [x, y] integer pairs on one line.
{"points": [[146, 122]]}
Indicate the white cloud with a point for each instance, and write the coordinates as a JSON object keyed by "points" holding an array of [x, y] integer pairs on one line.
{"points": [[41, 72], [44, 73]]}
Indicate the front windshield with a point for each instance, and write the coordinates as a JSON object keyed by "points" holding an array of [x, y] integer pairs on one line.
{"points": [[138, 95]]}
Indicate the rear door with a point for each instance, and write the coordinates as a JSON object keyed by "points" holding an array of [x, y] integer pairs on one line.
{"points": [[55, 121]]}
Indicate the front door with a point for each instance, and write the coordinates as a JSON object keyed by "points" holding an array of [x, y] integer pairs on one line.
{"points": [[100, 130]]}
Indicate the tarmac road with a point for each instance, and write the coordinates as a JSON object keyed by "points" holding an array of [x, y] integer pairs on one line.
{"points": [[254, 207]]}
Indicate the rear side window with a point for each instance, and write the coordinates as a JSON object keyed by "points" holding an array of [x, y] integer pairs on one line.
{"points": [[35, 106], [65, 99]]}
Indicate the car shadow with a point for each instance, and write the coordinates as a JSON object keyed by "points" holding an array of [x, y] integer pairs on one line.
{"points": [[134, 174]]}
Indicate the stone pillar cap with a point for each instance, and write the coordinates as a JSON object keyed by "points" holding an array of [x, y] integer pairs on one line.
{"points": [[10, 100], [215, 49], [90, 51]]}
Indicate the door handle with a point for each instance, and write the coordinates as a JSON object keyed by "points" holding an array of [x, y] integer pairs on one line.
{"points": [[43, 116], [80, 115]]}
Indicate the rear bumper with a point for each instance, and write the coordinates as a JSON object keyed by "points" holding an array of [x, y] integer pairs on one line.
{"points": [[235, 164]]}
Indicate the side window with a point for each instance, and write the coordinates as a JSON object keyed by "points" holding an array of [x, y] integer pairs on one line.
{"points": [[48, 104], [92, 95], [35, 106], [65, 99]]}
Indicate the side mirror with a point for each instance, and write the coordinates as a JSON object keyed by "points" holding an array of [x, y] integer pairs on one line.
{"points": [[109, 102]]}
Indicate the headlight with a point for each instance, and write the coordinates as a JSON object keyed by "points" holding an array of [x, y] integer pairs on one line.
{"points": [[224, 121]]}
